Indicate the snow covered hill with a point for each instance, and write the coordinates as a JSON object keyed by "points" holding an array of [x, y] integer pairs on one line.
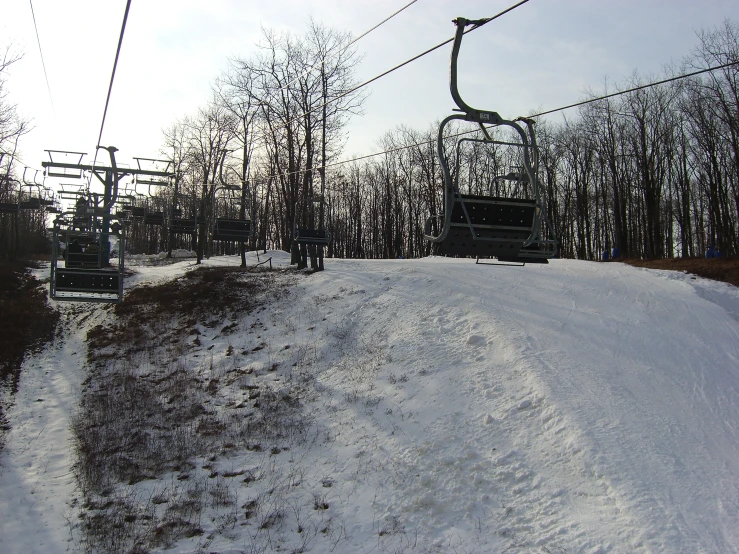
{"points": [[452, 407]]}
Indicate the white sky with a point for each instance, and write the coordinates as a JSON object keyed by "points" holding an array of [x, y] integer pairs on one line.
{"points": [[540, 56]]}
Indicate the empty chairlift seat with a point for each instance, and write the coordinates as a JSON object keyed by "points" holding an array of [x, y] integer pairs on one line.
{"points": [[316, 237], [154, 218], [496, 226], [179, 226], [32, 204], [138, 212], [232, 230], [514, 228]]}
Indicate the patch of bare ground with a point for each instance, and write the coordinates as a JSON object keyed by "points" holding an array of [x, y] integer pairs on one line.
{"points": [[724, 268], [161, 408], [27, 321]]}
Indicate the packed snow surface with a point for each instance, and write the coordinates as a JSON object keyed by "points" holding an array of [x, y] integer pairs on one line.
{"points": [[569, 407]]}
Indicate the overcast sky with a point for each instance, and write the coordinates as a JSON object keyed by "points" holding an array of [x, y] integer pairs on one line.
{"points": [[542, 55]]}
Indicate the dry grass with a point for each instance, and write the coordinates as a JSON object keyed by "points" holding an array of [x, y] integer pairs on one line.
{"points": [[149, 414], [27, 321], [155, 316], [724, 269]]}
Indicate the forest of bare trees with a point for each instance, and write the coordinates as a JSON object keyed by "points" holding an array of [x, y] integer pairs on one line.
{"points": [[653, 172], [22, 231]]}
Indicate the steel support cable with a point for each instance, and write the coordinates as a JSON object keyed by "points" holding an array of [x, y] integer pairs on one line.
{"points": [[426, 143], [41, 53], [477, 24], [345, 48], [311, 68], [110, 90], [112, 76], [634, 89]]}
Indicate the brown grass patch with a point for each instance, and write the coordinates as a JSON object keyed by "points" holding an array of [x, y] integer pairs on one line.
{"points": [[725, 269], [27, 321]]}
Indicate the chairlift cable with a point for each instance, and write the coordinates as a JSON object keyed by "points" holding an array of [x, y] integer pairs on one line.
{"points": [[345, 48], [41, 53], [479, 23], [388, 18], [640, 87], [425, 143], [112, 76]]}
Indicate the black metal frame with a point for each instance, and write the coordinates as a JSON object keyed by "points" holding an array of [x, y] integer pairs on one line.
{"points": [[231, 230], [509, 229], [85, 276], [312, 237]]}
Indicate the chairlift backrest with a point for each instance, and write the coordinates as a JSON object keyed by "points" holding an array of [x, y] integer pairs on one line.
{"points": [[315, 237], [231, 230], [154, 218], [182, 226]]}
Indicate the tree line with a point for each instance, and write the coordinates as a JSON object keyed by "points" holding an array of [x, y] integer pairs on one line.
{"points": [[653, 172]]}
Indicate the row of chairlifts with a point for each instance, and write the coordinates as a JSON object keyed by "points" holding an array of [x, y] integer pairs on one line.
{"points": [[39, 197], [224, 229], [90, 265], [509, 229]]}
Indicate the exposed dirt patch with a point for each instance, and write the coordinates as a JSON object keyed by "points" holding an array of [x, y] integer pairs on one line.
{"points": [[724, 269], [27, 321], [153, 316], [149, 412]]}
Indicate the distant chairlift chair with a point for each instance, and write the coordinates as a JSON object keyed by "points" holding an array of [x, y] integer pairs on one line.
{"points": [[309, 241], [312, 237], [231, 230], [479, 226], [179, 225], [154, 218]]}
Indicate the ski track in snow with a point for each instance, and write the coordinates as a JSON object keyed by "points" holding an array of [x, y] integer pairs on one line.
{"points": [[577, 407], [36, 475]]}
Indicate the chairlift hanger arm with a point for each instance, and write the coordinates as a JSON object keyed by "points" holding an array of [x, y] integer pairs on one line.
{"points": [[116, 176], [25, 182], [471, 114]]}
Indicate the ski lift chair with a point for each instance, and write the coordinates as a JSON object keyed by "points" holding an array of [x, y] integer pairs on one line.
{"points": [[227, 229], [232, 230], [311, 237], [179, 225], [314, 237], [480, 226], [31, 204], [88, 274], [138, 212], [154, 218]]}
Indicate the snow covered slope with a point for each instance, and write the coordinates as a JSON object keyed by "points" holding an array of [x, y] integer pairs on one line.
{"points": [[572, 407]]}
